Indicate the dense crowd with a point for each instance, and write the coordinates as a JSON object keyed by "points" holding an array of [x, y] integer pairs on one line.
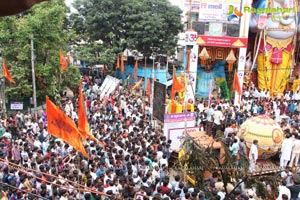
{"points": [[133, 160]]}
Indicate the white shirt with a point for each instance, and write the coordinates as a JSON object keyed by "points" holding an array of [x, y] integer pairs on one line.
{"points": [[296, 146], [286, 148], [218, 116], [162, 162], [283, 190], [253, 151], [200, 107]]}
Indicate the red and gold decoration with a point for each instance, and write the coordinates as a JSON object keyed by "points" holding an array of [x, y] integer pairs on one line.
{"points": [[231, 59], [204, 56]]}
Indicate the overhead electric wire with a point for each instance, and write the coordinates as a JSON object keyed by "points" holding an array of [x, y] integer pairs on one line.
{"points": [[8, 185], [28, 170]]}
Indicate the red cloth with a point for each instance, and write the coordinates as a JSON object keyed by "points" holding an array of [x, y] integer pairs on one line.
{"points": [[276, 56], [164, 189]]}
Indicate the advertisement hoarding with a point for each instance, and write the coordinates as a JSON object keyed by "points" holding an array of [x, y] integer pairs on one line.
{"points": [[178, 121], [177, 136]]}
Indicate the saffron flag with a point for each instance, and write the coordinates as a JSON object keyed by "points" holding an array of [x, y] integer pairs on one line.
{"points": [[188, 61], [176, 86], [149, 88], [6, 73], [61, 126], [83, 125], [122, 65], [63, 62], [136, 68], [137, 84], [118, 62], [236, 84]]}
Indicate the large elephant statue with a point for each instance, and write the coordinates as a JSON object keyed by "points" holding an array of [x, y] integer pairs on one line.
{"points": [[276, 44]]}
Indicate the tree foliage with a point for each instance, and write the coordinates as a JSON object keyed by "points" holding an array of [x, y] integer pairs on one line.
{"points": [[46, 24], [144, 25]]}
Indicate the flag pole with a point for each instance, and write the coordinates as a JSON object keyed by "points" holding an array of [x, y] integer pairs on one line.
{"points": [[152, 87], [3, 95], [33, 75]]}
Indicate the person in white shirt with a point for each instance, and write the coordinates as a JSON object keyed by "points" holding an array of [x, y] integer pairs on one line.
{"points": [[253, 155], [286, 151], [164, 161], [295, 152], [218, 118], [283, 190], [201, 107]]}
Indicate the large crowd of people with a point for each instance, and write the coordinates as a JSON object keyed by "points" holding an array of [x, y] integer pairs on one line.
{"points": [[133, 160]]}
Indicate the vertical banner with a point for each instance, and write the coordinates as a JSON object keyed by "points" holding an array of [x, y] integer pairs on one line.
{"points": [[191, 41], [159, 99], [240, 72], [244, 30], [192, 75]]}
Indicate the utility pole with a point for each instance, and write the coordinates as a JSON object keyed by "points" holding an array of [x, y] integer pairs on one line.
{"points": [[33, 75], [3, 97]]}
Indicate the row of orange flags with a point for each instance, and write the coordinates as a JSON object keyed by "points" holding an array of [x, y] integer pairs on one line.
{"points": [[63, 63], [61, 126], [122, 64]]}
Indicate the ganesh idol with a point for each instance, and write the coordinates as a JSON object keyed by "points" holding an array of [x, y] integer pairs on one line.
{"points": [[276, 43]]}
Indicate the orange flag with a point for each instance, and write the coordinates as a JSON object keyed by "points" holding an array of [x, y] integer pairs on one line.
{"points": [[118, 62], [148, 88], [137, 84], [236, 84], [188, 61], [83, 125], [122, 65], [6, 73], [176, 86], [61, 126], [136, 68], [63, 62]]}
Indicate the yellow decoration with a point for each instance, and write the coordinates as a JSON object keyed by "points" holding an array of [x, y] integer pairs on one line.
{"points": [[203, 56], [200, 41], [295, 86], [268, 133], [273, 77], [238, 43], [230, 60], [183, 80], [174, 107]]}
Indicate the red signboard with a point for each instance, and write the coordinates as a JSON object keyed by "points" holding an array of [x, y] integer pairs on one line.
{"points": [[221, 41]]}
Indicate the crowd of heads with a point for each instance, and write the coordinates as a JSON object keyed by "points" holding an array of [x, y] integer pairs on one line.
{"points": [[133, 160]]}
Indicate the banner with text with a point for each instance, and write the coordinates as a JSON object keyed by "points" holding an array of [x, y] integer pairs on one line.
{"points": [[220, 12], [177, 136], [177, 121]]}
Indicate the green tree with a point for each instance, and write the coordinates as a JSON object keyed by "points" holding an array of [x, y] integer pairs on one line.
{"points": [[144, 25], [46, 24]]}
